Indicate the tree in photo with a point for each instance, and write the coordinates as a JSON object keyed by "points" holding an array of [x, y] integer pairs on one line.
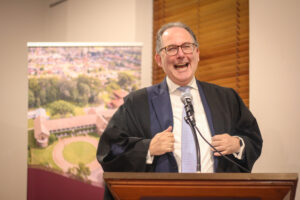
{"points": [[61, 108], [80, 172]]}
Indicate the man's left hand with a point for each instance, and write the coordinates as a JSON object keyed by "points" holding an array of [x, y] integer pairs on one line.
{"points": [[226, 144]]}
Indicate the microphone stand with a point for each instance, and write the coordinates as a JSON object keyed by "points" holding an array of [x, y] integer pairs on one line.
{"points": [[192, 125]]}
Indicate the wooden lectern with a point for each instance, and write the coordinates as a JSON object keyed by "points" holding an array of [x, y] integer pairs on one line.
{"points": [[198, 186]]}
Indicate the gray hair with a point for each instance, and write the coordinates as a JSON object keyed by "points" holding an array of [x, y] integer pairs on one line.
{"points": [[161, 31]]}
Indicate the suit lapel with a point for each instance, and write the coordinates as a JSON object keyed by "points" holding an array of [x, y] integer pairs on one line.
{"points": [[162, 106], [206, 109], [209, 118], [161, 117]]}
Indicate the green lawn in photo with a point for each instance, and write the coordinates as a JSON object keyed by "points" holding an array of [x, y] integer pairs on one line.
{"points": [[43, 156], [40, 156], [77, 152]]}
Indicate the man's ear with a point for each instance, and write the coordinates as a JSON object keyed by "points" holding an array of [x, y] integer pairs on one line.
{"points": [[198, 52], [158, 59]]}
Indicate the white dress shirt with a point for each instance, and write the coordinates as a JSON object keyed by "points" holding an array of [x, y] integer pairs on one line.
{"points": [[207, 161], [201, 122]]}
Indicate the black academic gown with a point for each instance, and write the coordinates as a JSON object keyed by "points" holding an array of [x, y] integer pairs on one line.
{"points": [[124, 144]]}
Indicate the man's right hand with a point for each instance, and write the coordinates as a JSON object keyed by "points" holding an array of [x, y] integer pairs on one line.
{"points": [[162, 142]]}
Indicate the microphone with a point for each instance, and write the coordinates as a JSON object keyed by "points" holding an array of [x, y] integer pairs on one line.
{"points": [[187, 100]]}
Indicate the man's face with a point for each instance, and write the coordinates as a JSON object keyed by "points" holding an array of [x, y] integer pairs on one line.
{"points": [[180, 68]]}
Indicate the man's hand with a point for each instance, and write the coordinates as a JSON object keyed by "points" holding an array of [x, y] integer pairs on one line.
{"points": [[226, 144], [162, 142]]}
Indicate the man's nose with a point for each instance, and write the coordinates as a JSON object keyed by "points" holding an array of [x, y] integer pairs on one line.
{"points": [[180, 53]]}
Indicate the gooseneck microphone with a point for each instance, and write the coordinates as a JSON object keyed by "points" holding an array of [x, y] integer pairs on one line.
{"points": [[187, 99]]}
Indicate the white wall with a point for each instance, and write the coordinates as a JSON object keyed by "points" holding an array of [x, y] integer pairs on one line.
{"points": [[72, 21], [18, 23], [275, 83]]}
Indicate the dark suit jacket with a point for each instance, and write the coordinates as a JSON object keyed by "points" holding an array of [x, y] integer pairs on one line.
{"points": [[124, 144]]}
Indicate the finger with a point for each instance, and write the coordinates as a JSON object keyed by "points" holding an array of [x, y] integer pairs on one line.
{"points": [[172, 145], [169, 129], [223, 152], [167, 136], [220, 148], [170, 149], [220, 137], [216, 138], [216, 143], [172, 140], [217, 153]]}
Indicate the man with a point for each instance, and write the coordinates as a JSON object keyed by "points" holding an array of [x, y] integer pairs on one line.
{"points": [[144, 135]]}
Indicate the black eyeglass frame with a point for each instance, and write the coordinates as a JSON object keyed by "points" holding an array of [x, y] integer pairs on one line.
{"points": [[177, 48]]}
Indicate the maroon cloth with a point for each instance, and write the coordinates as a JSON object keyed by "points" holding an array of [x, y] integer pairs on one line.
{"points": [[42, 184]]}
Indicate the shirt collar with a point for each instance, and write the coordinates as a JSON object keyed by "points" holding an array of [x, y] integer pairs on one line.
{"points": [[173, 86]]}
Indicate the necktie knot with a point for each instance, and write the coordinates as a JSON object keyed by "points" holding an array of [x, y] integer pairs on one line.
{"points": [[184, 89]]}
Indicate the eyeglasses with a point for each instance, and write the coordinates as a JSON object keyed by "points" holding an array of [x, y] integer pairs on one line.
{"points": [[172, 50]]}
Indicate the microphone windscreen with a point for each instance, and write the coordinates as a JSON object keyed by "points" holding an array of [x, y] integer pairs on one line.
{"points": [[185, 96]]}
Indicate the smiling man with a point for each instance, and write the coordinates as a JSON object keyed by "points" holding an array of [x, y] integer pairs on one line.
{"points": [[146, 133], [180, 64]]}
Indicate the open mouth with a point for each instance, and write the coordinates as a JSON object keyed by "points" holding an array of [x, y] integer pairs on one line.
{"points": [[180, 66]]}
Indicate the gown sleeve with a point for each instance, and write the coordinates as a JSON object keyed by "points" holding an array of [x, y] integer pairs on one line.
{"points": [[230, 115], [247, 128], [124, 143]]}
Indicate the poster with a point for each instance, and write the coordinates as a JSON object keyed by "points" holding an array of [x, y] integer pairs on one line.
{"points": [[73, 91]]}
